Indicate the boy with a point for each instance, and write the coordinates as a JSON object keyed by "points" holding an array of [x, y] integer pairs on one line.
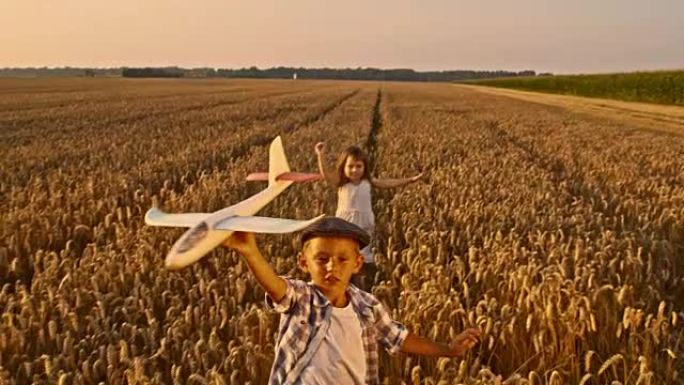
{"points": [[329, 329]]}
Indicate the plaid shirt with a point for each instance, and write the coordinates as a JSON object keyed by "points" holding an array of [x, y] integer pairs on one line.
{"points": [[305, 319]]}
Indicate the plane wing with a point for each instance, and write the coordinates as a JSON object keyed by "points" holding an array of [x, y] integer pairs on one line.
{"points": [[156, 217], [263, 224], [287, 176]]}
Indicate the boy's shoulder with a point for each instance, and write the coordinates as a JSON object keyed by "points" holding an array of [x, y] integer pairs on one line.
{"points": [[365, 297], [362, 298], [366, 304]]}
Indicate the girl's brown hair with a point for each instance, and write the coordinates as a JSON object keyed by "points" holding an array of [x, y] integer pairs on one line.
{"points": [[357, 154]]}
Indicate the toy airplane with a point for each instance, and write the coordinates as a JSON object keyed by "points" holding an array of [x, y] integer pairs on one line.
{"points": [[208, 230]]}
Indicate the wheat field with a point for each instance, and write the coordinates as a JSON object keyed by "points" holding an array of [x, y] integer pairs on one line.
{"points": [[560, 235]]}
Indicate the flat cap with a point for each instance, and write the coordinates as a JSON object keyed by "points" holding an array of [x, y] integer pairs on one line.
{"points": [[334, 227]]}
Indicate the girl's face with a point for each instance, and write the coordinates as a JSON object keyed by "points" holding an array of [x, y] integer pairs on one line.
{"points": [[354, 169]]}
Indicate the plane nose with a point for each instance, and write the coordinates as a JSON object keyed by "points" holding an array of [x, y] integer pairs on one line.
{"points": [[172, 263], [183, 251], [192, 237]]}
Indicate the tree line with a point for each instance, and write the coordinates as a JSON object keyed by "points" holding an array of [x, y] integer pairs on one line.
{"points": [[269, 73]]}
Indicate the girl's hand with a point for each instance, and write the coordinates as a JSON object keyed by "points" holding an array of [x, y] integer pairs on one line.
{"points": [[417, 177], [242, 242], [320, 148], [465, 341]]}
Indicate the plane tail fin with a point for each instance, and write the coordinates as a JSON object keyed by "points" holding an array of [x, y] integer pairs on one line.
{"points": [[277, 161]]}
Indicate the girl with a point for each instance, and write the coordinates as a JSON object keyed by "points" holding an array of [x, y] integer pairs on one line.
{"points": [[353, 182]]}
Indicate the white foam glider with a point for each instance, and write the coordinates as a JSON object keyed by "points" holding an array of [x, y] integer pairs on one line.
{"points": [[208, 230]]}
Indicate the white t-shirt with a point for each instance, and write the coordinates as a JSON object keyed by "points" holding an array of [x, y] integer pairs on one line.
{"points": [[341, 358]]}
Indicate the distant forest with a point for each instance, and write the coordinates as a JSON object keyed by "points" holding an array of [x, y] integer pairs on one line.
{"points": [[270, 73]]}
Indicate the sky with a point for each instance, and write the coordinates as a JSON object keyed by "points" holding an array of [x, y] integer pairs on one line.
{"points": [[559, 36]]}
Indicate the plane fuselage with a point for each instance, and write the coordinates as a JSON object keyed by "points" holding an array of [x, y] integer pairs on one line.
{"points": [[200, 239]]}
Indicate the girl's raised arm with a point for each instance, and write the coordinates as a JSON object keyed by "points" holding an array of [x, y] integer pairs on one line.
{"points": [[391, 183], [330, 175]]}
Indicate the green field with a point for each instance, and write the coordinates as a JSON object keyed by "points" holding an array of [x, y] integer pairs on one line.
{"points": [[664, 87]]}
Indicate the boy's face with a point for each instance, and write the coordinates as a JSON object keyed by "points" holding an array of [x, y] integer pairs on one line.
{"points": [[353, 169], [331, 261]]}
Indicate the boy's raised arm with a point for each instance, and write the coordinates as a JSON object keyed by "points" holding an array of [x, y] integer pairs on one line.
{"points": [[245, 244]]}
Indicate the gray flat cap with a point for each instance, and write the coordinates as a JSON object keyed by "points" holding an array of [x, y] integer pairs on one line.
{"points": [[334, 227]]}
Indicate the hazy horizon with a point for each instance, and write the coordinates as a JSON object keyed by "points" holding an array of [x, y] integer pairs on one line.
{"points": [[437, 35]]}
